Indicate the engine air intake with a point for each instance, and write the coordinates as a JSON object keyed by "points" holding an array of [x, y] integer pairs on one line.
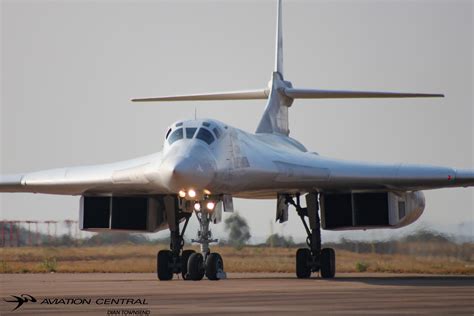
{"points": [[352, 211]]}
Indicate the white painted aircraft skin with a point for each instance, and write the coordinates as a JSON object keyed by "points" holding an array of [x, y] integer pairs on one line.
{"points": [[242, 164], [237, 163]]}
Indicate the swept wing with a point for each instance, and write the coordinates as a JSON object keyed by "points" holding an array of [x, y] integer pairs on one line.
{"points": [[136, 176]]}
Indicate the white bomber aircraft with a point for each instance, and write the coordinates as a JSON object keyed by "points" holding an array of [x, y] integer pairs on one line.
{"points": [[205, 163]]}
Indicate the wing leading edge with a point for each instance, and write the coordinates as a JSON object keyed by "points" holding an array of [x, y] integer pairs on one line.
{"points": [[137, 176], [402, 177], [321, 173]]}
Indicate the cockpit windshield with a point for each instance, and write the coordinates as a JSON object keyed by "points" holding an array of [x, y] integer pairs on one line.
{"points": [[190, 131], [176, 135], [205, 135], [168, 133], [208, 132], [217, 131]]}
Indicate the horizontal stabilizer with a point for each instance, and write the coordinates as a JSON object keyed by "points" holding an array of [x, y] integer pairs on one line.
{"points": [[341, 94], [231, 95]]}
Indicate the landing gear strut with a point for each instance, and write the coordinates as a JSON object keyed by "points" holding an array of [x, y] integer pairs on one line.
{"points": [[205, 263], [313, 258], [174, 260], [191, 265]]}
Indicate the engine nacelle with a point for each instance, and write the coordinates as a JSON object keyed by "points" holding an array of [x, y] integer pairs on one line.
{"points": [[353, 211], [140, 214]]}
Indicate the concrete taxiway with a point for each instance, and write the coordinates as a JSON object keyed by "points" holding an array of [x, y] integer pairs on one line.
{"points": [[348, 294]]}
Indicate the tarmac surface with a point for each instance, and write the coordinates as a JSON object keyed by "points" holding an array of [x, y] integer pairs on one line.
{"points": [[249, 293]]}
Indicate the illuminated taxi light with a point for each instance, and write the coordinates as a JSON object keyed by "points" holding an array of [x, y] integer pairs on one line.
{"points": [[182, 194], [192, 193], [210, 205], [207, 192], [197, 206]]}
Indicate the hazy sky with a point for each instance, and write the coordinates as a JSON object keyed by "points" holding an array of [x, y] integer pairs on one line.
{"points": [[69, 69]]}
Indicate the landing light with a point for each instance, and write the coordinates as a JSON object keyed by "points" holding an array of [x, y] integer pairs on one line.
{"points": [[182, 194], [192, 193], [207, 192], [210, 205], [197, 206]]}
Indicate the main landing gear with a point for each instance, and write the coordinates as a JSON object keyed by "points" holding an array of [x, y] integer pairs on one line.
{"points": [[174, 260], [313, 258], [192, 265]]}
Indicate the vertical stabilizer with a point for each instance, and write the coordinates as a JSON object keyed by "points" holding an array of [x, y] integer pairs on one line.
{"points": [[279, 43], [280, 93], [275, 117]]}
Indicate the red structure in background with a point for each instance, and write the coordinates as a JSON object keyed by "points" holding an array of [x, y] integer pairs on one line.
{"points": [[3, 233], [30, 239], [13, 233], [69, 223], [49, 231], [16, 233], [38, 241]]}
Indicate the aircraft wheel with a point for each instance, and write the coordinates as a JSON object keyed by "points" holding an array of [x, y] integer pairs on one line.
{"points": [[184, 263], [328, 263], [164, 270], [303, 269], [195, 267], [214, 265]]}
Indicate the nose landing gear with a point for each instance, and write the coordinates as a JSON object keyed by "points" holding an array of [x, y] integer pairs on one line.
{"points": [[313, 258], [205, 263], [191, 265]]}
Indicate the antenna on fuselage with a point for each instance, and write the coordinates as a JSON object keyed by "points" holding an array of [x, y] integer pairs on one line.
{"points": [[280, 93]]}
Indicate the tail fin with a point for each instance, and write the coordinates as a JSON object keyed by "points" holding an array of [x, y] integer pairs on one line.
{"points": [[275, 116], [279, 42], [280, 93]]}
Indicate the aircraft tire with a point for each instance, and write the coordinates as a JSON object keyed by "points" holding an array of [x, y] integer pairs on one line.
{"points": [[303, 270], [163, 265], [214, 264], [196, 267], [184, 263], [328, 263]]}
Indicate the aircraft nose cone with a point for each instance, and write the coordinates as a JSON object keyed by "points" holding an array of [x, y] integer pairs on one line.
{"points": [[183, 172]]}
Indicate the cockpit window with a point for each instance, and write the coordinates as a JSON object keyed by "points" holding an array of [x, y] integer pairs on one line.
{"points": [[217, 131], [207, 124], [168, 133], [205, 135], [176, 135], [190, 132], [179, 124]]}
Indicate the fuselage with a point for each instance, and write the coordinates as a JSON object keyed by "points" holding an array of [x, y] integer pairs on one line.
{"points": [[210, 155]]}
